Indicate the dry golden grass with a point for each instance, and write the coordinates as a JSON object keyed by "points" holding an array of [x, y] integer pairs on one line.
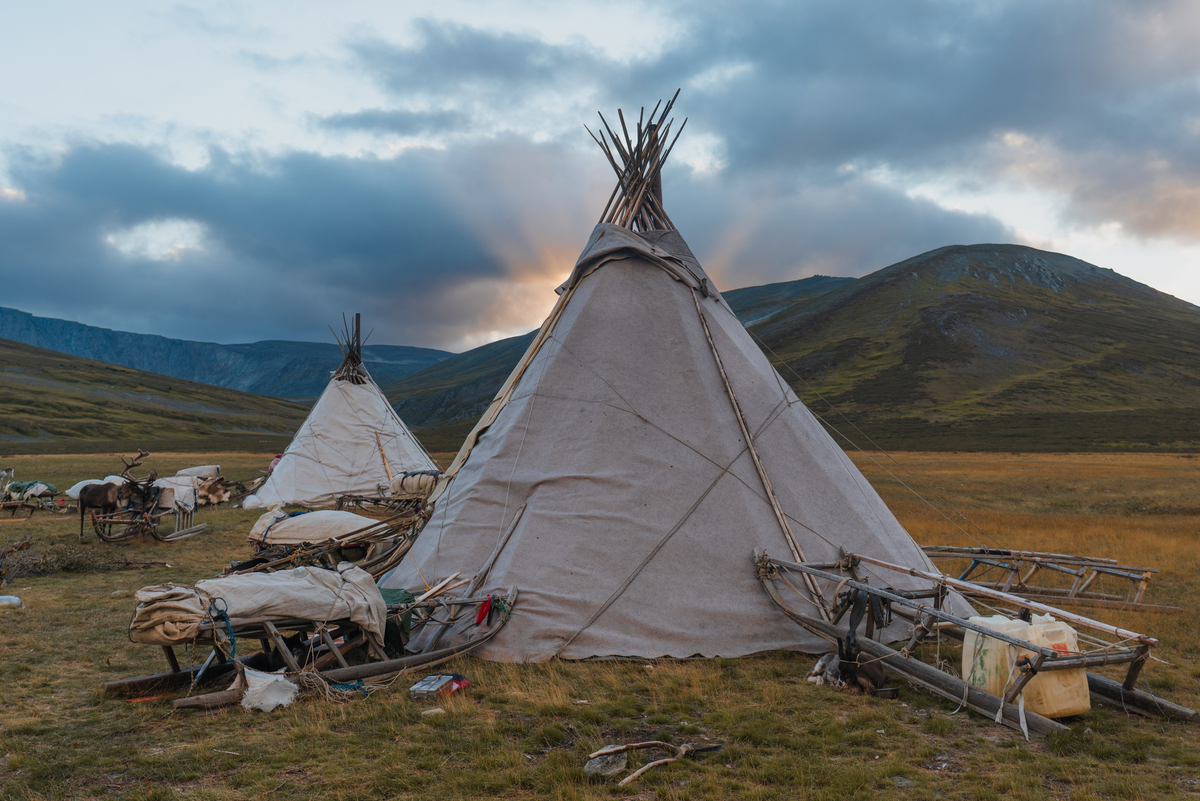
{"points": [[518, 733]]}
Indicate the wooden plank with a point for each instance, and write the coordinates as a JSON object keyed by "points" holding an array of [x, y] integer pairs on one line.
{"points": [[282, 647], [210, 700], [1106, 689], [1078, 661], [1135, 669], [333, 649], [1089, 600], [436, 588], [138, 684], [171, 660], [324, 660]]}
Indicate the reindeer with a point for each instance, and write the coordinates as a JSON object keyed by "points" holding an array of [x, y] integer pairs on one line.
{"points": [[113, 496], [108, 498], [142, 490]]}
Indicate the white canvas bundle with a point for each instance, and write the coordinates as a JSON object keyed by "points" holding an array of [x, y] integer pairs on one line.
{"points": [[170, 614], [177, 490], [203, 471], [276, 527], [73, 491]]}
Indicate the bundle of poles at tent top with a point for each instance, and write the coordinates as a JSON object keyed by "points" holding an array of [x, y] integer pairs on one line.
{"points": [[636, 201]]}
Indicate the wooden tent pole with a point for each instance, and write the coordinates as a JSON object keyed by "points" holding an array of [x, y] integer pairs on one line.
{"points": [[383, 456], [793, 546]]}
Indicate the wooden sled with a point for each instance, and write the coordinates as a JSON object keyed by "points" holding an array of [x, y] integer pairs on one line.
{"points": [[338, 650], [130, 523], [923, 610]]}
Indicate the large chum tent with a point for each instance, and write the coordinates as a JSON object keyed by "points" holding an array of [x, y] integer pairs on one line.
{"points": [[352, 442], [611, 479]]}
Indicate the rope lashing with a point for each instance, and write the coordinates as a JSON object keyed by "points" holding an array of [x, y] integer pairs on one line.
{"points": [[351, 687], [221, 613]]}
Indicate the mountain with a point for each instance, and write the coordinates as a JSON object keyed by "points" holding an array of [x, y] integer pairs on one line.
{"points": [[756, 303], [978, 347], [995, 347], [55, 403], [278, 368], [444, 401]]}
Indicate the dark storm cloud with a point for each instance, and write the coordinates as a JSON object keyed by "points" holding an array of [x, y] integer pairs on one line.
{"points": [[449, 59], [285, 238], [397, 121], [1097, 102]]}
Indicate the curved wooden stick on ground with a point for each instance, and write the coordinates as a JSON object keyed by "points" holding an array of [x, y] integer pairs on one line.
{"points": [[680, 752]]}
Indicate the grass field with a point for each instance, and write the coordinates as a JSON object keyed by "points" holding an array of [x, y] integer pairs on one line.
{"points": [[518, 731]]}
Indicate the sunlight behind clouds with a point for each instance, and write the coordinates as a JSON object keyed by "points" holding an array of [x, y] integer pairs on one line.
{"points": [[436, 153]]}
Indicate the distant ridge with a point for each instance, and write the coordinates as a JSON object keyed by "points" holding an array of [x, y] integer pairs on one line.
{"points": [[967, 347], [56, 403], [278, 368], [756, 303]]}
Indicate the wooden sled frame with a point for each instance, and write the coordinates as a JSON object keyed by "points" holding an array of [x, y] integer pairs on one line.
{"points": [[379, 505], [32, 505], [318, 652], [399, 532], [1019, 568], [928, 618], [129, 523]]}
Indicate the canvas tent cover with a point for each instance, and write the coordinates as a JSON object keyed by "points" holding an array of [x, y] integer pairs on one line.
{"points": [[336, 451], [610, 479], [171, 614], [277, 527]]}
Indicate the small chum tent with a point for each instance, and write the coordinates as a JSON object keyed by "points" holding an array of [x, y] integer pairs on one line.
{"points": [[352, 442], [610, 479]]}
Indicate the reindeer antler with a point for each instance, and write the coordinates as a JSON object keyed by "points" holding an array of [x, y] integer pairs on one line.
{"points": [[132, 463]]}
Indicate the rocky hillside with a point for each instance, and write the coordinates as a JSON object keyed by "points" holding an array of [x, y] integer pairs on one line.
{"points": [[55, 403], [993, 347], [279, 368]]}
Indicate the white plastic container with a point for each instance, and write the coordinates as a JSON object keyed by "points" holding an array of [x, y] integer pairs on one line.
{"points": [[988, 664], [1057, 693]]}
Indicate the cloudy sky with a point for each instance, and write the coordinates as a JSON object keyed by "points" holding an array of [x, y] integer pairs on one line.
{"points": [[233, 171]]}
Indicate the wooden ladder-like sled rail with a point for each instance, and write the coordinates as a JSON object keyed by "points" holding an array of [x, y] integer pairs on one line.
{"points": [[1019, 569]]}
